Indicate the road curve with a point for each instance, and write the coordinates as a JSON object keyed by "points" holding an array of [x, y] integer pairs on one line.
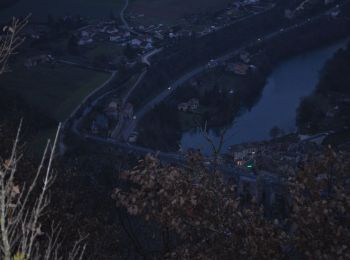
{"points": [[147, 56], [122, 15], [165, 93]]}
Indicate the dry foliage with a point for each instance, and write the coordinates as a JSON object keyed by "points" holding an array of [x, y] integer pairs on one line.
{"points": [[22, 208], [204, 212], [211, 222], [320, 215], [10, 40]]}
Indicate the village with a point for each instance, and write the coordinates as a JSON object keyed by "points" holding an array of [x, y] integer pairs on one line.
{"points": [[108, 45], [279, 155], [135, 40], [200, 24]]}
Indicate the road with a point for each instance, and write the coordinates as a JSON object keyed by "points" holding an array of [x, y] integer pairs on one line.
{"points": [[121, 121], [82, 65], [122, 15], [124, 21], [147, 56], [130, 127], [186, 77], [180, 159], [85, 101]]}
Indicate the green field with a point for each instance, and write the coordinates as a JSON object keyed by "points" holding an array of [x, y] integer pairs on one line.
{"points": [[55, 91], [41, 8], [108, 49], [171, 11]]}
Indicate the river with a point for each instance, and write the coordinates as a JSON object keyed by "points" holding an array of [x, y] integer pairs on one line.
{"points": [[286, 86]]}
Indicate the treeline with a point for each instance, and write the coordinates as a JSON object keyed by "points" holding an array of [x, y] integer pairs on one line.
{"points": [[328, 108], [161, 129], [7, 3], [221, 109], [13, 108], [191, 52], [163, 126]]}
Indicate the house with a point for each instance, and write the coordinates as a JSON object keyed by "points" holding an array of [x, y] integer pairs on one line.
{"points": [[335, 13], [99, 124], [182, 107], [85, 34], [158, 35], [133, 137], [172, 35], [94, 128], [289, 14], [212, 64], [245, 57], [191, 105], [112, 30], [34, 61], [238, 68], [194, 83], [113, 106], [249, 2], [112, 109], [114, 38], [85, 41], [148, 46], [135, 42], [128, 111]]}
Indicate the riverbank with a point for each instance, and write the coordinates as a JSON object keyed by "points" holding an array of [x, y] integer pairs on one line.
{"points": [[194, 138], [181, 58], [327, 108], [285, 87]]}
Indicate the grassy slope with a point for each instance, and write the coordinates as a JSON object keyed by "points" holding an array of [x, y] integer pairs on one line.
{"points": [[171, 11], [54, 91], [41, 8]]}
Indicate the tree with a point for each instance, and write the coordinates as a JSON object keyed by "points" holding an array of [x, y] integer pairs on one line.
{"points": [[112, 16], [320, 214], [129, 52], [204, 213], [275, 132], [23, 204], [10, 41], [23, 207], [72, 45], [311, 111], [51, 21], [205, 218]]}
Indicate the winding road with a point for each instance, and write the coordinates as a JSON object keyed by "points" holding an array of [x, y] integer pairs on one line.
{"points": [[122, 14], [186, 77], [85, 100], [130, 126], [124, 21]]}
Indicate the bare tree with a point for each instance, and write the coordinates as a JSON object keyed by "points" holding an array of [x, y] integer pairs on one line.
{"points": [[10, 40], [22, 209]]}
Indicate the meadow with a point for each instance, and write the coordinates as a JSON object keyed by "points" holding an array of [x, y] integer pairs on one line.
{"points": [[41, 8], [171, 11], [56, 90]]}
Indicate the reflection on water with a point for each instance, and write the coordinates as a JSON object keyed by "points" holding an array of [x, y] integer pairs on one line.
{"points": [[289, 82]]}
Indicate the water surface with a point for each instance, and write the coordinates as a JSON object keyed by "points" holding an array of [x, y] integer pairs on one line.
{"points": [[286, 86]]}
